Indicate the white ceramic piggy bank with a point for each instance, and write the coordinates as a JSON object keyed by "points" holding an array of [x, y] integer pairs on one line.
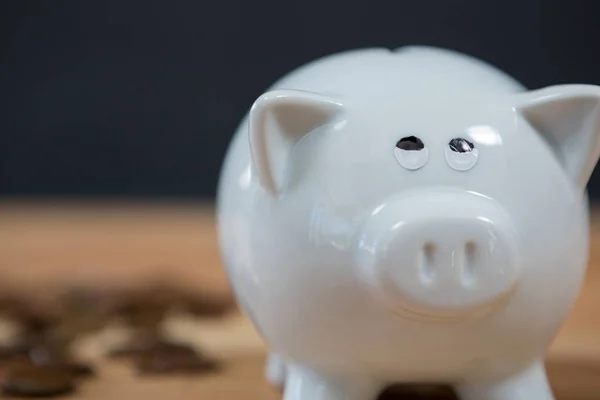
{"points": [[409, 216]]}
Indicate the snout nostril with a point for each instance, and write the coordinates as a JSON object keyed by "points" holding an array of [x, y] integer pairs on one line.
{"points": [[469, 263], [427, 267]]}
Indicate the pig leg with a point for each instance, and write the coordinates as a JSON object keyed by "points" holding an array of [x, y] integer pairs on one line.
{"points": [[306, 384], [276, 370], [530, 384]]}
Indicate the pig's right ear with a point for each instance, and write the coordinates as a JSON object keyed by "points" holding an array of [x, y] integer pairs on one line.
{"points": [[568, 117], [277, 121]]}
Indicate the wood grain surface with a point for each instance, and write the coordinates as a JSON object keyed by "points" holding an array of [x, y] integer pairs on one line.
{"points": [[51, 245]]}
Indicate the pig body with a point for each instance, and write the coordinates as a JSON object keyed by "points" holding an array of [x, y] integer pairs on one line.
{"points": [[369, 248]]}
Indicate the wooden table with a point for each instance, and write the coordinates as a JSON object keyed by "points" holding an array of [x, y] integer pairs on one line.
{"points": [[47, 246]]}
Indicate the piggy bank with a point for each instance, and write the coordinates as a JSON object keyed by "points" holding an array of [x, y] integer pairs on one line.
{"points": [[413, 215]]}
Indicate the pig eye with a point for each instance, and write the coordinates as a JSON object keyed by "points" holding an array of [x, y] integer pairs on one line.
{"points": [[461, 154], [411, 153]]}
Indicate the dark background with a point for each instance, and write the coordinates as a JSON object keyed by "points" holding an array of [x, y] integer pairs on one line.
{"points": [[140, 98]]}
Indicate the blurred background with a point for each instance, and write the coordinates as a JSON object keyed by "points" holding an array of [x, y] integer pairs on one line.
{"points": [[130, 106], [139, 99]]}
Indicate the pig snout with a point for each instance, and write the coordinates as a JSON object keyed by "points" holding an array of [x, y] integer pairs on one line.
{"points": [[439, 253]]}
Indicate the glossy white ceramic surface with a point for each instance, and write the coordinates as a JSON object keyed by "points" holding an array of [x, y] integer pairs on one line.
{"points": [[362, 266]]}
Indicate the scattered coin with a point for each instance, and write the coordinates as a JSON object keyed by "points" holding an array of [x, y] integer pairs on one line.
{"points": [[23, 345], [145, 309], [169, 347], [205, 306], [48, 354], [29, 381], [141, 342], [78, 369], [81, 312], [17, 362], [34, 316], [59, 358], [9, 352], [150, 345], [171, 361], [39, 362]]}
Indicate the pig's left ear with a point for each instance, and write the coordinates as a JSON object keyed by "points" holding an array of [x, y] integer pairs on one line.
{"points": [[568, 117], [277, 121]]}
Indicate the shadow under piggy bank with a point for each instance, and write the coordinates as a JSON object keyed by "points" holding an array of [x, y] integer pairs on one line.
{"points": [[571, 379], [418, 392]]}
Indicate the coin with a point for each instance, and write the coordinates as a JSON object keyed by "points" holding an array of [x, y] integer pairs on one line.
{"points": [[24, 344], [148, 343], [141, 342], [143, 311], [206, 308], [57, 357], [48, 354], [27, 381], [204, 304], [82, 311], [174, 361], [78, 369]]}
